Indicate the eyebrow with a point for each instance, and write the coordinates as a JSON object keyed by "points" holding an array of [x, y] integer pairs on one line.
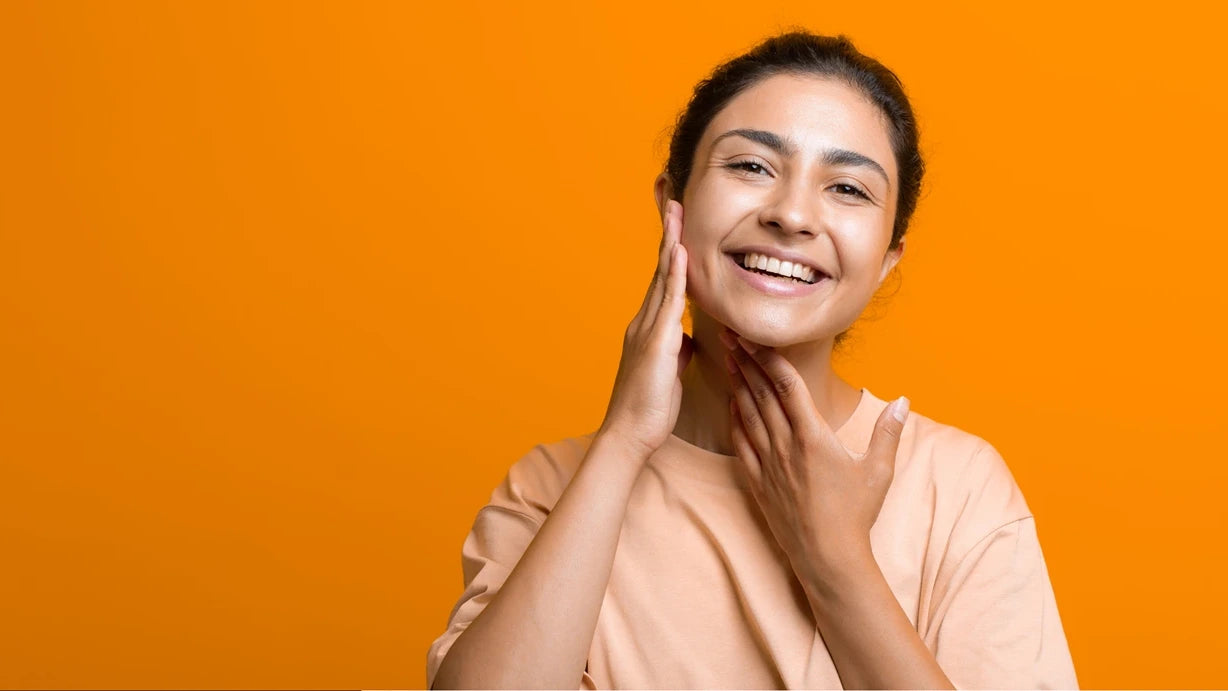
{"points": [[787, 147]]}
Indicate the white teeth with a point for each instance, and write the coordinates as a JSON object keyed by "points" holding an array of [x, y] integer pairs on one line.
{"points": [[776, 266]]}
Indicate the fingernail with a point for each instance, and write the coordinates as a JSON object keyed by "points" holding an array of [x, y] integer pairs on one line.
{"points": [[750, 347], [728, 339], [899, 409]]}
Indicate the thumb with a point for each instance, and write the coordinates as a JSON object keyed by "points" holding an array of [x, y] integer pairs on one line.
{"points": [[885, 440], [685, 352]]}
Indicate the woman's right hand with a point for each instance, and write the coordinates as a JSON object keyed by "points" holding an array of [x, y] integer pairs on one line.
{"points": [[647, 393]]}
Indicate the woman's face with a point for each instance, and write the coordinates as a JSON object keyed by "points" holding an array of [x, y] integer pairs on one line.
{"points": [[792, 183]]}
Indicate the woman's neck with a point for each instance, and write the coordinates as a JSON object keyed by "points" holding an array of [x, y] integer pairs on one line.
{"points": [[704, 417]]}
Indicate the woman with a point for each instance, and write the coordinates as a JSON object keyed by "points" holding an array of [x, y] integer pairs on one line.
{"points": [[743, 517]]}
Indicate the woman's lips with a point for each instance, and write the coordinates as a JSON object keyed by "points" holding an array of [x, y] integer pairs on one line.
{"points": [[777, 287]]}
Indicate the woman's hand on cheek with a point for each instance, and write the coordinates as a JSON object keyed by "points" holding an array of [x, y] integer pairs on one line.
{"points": [[820, 500]]}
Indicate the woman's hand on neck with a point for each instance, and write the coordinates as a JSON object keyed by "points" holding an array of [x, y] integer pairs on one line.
{"points": [[704, 418]]}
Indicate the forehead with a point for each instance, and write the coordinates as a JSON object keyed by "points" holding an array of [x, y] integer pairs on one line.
{"points": [[815, 112]]}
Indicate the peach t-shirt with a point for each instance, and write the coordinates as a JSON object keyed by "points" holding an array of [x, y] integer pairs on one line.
{"points": [[702, 596]]}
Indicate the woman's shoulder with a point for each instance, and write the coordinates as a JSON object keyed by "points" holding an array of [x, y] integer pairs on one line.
{"points": [[966, 465], [946, 441], [537, 478]]}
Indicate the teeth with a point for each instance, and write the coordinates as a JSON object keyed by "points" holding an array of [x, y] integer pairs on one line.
{"points": [[774, 265]]}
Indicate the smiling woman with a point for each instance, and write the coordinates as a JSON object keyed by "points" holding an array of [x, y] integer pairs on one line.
{"points": [[744, 517]]}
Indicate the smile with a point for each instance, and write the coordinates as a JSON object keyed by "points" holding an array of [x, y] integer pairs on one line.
{"points": [[775, 285]]}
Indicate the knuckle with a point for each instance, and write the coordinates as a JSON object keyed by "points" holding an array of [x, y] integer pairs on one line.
{"points": [[807, 446], [752, 422], [762, 392], [785, 384], [632, 329], [670, 290], [654, 342], [743, 357], [782, 453]]}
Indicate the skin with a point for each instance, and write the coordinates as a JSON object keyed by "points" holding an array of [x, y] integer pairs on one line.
{"points": [[759, 383]]}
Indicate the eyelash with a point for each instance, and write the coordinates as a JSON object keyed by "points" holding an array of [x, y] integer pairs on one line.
{"points": [[741, 165]]}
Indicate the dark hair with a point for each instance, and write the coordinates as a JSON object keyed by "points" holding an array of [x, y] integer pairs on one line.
{"points": [[800, 52]]}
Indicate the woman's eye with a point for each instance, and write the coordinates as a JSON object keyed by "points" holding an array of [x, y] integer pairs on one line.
{"points": [[845, 188], [745, 165], [854, 190]]}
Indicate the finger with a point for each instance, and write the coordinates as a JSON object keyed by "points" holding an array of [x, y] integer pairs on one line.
{"points": [[793, 397], [748, 411], [662, 263], [763, 391], [885, 440], [742, 446], [652, 299], [673, 303]]}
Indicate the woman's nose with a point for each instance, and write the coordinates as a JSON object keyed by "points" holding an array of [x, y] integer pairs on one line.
{"points": [[793, 208]]}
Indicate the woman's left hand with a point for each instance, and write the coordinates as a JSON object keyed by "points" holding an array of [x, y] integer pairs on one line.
{"points": [[820, 500]]}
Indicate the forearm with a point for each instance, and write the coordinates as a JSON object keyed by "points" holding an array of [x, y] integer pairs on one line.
{"points": [[536, 631], [870, 638]]}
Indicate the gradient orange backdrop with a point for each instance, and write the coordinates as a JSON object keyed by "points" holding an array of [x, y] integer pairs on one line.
{"points": [[286, 287]]}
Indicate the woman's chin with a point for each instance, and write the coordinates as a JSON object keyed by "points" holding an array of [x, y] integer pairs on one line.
{"points": [[778, 338], [775, 328]]}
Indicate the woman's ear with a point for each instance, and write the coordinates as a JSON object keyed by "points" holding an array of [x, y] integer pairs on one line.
{"points": [[663, 190], [890, 260]]}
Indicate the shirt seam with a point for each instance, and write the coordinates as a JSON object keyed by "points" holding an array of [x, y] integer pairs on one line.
{"points": [[986, 537], [517, 512]]}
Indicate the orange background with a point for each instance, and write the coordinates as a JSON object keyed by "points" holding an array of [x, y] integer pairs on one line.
{"points": [[285, 289]]}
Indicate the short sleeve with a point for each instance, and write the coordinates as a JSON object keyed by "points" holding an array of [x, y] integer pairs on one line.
{"points": [[502, 530], [996, 625]]}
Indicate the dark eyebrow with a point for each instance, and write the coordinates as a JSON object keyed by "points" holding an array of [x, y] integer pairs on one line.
{"points": [[786, 147]]}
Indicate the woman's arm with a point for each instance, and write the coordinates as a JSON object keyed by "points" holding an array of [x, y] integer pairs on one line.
{"points": [[871, 640], [537, 630]]}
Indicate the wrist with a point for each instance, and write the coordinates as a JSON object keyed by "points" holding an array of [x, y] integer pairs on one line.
{"points": [[611, 449], [618, 443], [837, 568]]}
